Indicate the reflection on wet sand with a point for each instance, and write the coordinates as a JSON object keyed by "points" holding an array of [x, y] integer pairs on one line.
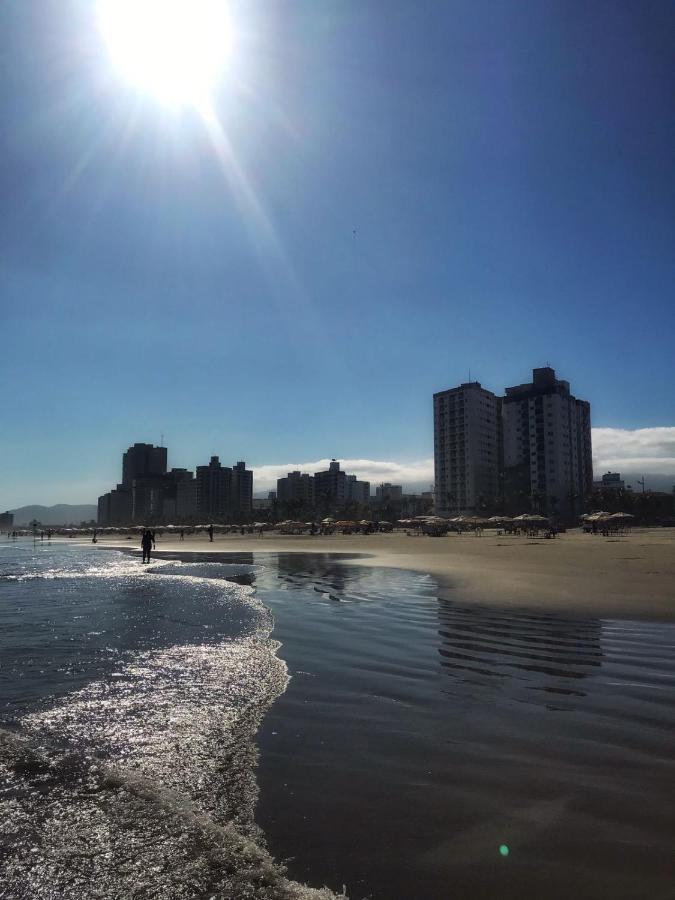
{"points": [[491, 647], [421, 737]]}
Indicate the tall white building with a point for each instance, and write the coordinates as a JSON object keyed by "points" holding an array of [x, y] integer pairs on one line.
{"points": [[547, 446], [467, 449]]}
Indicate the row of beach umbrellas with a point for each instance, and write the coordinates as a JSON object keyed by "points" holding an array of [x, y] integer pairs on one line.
{"points": [[606, 517]]}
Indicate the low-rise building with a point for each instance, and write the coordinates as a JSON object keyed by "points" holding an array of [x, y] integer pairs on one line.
{"points": [[610, 481]]}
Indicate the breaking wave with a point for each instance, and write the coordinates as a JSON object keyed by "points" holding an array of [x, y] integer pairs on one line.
{"points": [[142, 783]]}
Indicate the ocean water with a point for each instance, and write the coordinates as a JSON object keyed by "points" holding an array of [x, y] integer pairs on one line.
{"points": [[183, 729], [130, 697]]}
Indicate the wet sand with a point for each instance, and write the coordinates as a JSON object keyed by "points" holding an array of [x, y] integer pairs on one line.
{"points": [[631, 575]]}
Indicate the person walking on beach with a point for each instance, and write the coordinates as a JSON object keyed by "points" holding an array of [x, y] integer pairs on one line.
{"points": [[146, 545], [211, 533], [182, 534]]}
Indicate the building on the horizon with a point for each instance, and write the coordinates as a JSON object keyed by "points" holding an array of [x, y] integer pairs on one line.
{"points": [[186, 501], [6, 521], [214, 482], [334, 488], [610, 481], [224, 492], [386, 492], [148, 494], [527, 451], [241, 491], [142, 460], [139, 497], [467, 449], [172, 481], [296, 487]]}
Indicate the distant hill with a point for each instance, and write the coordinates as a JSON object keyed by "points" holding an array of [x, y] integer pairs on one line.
{"points": [[61, 514]]}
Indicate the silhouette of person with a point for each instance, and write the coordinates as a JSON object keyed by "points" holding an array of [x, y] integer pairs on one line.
{"points": [[211, 533], [182, 534], [146, 545]]}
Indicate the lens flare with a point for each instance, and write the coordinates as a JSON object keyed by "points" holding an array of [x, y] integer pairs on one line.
{"points": [[174, 50]]}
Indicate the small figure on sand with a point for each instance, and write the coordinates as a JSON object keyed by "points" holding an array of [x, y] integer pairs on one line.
{"points": [[182, 534], [211, 533], [146, 545]]}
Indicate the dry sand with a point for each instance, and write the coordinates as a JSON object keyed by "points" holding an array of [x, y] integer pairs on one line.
{"points": [[631, 575]]}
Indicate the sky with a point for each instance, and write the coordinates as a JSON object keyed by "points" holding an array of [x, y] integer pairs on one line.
{"points": [[386, 197]]}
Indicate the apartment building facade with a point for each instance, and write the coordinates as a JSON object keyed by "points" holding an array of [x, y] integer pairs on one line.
{"points": [[527, 451], [547, 447], [467, 449]]}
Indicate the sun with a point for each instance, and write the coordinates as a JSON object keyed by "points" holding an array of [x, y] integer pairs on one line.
{"points": [[173, 50]]}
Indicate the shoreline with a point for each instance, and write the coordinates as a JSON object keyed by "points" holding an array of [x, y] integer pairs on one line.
{"points": [[627, 576]]}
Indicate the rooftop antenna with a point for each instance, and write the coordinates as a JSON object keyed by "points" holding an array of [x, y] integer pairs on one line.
{"points": [[161, 439]]}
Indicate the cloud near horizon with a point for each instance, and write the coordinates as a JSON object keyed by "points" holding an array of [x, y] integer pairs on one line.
{"points": [[633, 452], [419, 473]]}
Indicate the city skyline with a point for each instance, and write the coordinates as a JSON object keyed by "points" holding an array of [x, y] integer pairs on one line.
{"points": [[379, 206], [648, 453]]}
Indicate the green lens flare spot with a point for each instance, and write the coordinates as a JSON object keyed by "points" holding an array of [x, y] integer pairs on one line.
{"points": [[504, 850]]}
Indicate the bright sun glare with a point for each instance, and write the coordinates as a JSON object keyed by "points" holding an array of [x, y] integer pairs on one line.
{"points": [[174, 50]]}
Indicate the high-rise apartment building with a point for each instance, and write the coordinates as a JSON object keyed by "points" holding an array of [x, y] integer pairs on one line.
{"points": [[139, 497], [333, 487], [547, 447], [224, 492], [296, 486], [467, 444], [150, 495], [528, 451], [142, 460], [241, 491], [214, 483]]}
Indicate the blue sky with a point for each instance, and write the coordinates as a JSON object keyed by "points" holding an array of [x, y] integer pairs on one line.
{"points": [[415, 189]]}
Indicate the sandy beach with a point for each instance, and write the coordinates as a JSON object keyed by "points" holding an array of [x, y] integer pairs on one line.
{"points": [[631, 575]]}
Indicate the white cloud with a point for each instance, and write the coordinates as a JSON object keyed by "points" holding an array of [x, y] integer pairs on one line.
{"points": [[418, 474], [635, 452], [649, 450]]}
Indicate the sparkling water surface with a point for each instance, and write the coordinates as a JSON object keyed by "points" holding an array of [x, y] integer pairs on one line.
{"points": [[163, 726]]}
